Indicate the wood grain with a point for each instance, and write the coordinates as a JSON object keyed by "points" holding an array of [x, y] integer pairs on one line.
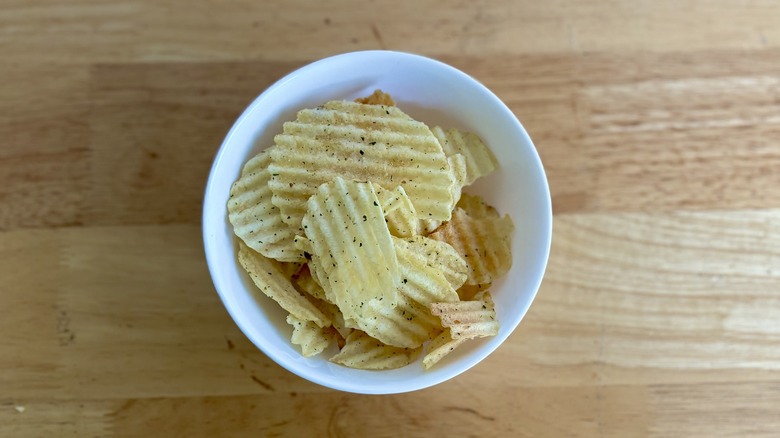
{"points": [[658, 124]]}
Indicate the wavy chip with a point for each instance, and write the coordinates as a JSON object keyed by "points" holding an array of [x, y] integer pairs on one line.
{"points": [[353, 247], [311, 338], [307, 283], [479, 159], [409, 324], [483, 243], [439, 347], [330, 310], [256, 220], [459, 173], [476, 207], [437, 255], [457, 165], [273, 283], [359, 142], [468, 319], [400, 215], [363, 352]]}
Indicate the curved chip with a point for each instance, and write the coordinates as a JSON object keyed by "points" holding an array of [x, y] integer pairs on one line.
{"points": [[439, 347], [400, 215], [409, 324], [359, 142], [273, 283], [479, 159], [476, 207], [436, 254], [256, 220], [363, 352], [459, 173], [351, 246], [457, 165], [307, 283], [483, 243], [468, 319], [311, 338]]}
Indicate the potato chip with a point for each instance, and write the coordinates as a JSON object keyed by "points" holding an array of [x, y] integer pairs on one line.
{"points": [[423, 281], [439, 347], [476, 207], [272, 282], [421, 277], [305, 281], [311, 338], [359, 142], [457, 164], [479, 159], [437, 255], [409, 324], [353, 247], [459, 173], [468, 291], [364, 352], [483, 243], [468, 319], [256, 220], [378, 97], [400, 215], [334, 315], [315, 267]]}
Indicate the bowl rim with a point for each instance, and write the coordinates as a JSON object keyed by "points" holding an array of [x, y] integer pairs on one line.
{"points": [[397, 387]]}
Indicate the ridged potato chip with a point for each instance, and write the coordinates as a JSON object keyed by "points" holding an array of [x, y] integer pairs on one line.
{"points": [[476, 207], [439, 347], [457, 164], [273, 283], [437, 255], [315, 267], [479, 159], [409, 324], [468, 319], [353, 247], [376, 143], [311, 338], [364, 352], [483, 243], [332, 312], [256, 220], [421, 280], [459, 173], [400, 215], [307, 283]]}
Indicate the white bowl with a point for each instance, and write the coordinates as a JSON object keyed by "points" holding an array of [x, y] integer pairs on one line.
{"points": [[431, 92]]}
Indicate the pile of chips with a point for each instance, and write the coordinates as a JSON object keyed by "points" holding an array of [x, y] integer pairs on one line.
{"points": [[355, 223]]}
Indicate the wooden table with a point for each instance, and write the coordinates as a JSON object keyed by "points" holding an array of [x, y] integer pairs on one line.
{"points": [[659, 127]]}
